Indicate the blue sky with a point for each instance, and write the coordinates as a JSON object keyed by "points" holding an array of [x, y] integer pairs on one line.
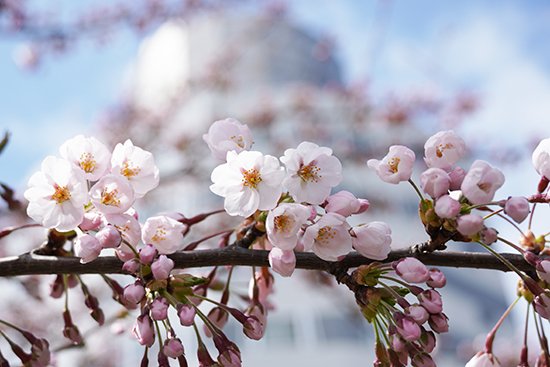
{"points": [[496, 48]]}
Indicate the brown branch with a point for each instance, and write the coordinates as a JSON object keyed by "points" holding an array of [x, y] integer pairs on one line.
{"points": [[233, 255]]}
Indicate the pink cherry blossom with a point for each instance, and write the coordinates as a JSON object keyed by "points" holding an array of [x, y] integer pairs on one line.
{"points": [[439, 323], [408, 329], [128, 226], [283, 224], [481, 182], [92, 221], [411, 270], [447, 207], [489, 235], [345, 203], [87, 247], [444, 149], [137, 166], [543, 270], [162, 267], [282, 261], [372, 240], [164, 233], [134, 293], [57, 195], [159, 308], [329, 238], [186, 314], [517, 208], [311, 172], [431, 300], [437, 279], [109, 237], [435, 182], [417, 313], [147, 254], [469, 224], [143, 330], [541, 158], [173, 348], [483, 359], [227, 135], [88, 156], [249, 181], [396, 166], [542, 305], [456, 176], [112, 195]]}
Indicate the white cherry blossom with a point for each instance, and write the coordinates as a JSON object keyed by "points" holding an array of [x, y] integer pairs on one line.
{"points": [[311, 172], [137, 165], [481, 182], [57, 195], [396, 166], [443, 150], [372, 240], [164, 233], [112, 195], [227, 135], [541, 158], [329, 238], [128, 226], [283, 224], [249, 181], [87, 155]]}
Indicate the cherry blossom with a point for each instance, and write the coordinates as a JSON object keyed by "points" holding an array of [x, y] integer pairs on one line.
{"points": [[372, 240], [329, 238], [249, 181], [137, 165], [443, 150], [541, 158], [227, 135], [483, 359], [447, 207], [396, 166], [311, 172], [112, 195], [284, 222], [481, 182], [87, 247], [282, 261], [164, 233], [87, 155], [517, 208], [469, 224], [128, 226], [346, 204], [411, 270], [56, 195], [435, 182]]}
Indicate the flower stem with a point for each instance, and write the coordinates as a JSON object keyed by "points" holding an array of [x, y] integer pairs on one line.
{"points": [[416, 189], [492, 333]]}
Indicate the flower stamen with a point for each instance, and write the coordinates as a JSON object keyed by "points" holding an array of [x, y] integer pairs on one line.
{"points": [[326, 234], [393, 163], [309, 173], [87, 162], [441, 148], [110, 197], [61, 194], [128, 171], [160, 235], [251, 178]]}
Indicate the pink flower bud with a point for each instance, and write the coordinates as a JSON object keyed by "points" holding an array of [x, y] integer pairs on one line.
{"points": [[162, 267], [397, 343], [173, 348], [417, 313], [91, 221], [131, 266], [411, 270], [159, 308], [483, 359], [427, 341], [57, 287], [542, 305], [456, 176], [444, 149], [218, 316], [543, 270], [431, 301], [481, 182], [230, 358], [343, 203], [87, 247], [438, 322], [517, 208], [226, 135], [109, 237], [396, 166], [489, 235], [282, 262], [408, 329], [147, 254], [134, 293], [363, 206], [541, 158], [143, 330], [435, 182], [469, 224], [423, 360], [186, 314], [447, 207], [253, 328], [436, 278], [372, 240]]}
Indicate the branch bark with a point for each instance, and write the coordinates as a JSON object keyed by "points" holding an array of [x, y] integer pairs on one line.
{"points": [[27, 264]]}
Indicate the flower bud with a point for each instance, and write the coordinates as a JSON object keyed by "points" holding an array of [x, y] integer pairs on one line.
{"points": [[408, 329], [57, 287], [431, 301], [253, 328], [109, 237], [147, 254], [483, 359], [517, 208], [422, 360], [436, 278], [134, 293], [543, 270], [282, 262], [427, 341], [131, 266], [456, 177], [417, 313], [218, 316], [70, 331], [435, 182], [186, 314], [446, 207], [159, 308], [469, 224], [372, 240], [343, 203], [542, 305], [87, 247], [439, 323], [173, 348], [143, 330], [489, 236], [91, 221], [162, 267], [411, 270]]}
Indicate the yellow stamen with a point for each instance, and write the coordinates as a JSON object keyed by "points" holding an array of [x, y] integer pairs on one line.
{"points": [[110, 197], [326, 234], [239, 140], [441, 148], [309, 173], [394, 164], [87, 162], [61, 194], [160, 235], [128, 171], [251, 178], [281, 222]]}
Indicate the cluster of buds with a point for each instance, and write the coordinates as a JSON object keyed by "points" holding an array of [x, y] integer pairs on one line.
{"points": [[381, 291], [39, 354]]}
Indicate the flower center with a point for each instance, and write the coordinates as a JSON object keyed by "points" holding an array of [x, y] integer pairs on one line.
{"points": [[251, 178], [87, 162], [129, 171], [326, 234], [441, 149], [160, 235], [309, 173], [239, 140], [484, 186], [61, 194], [110, 197], [393, 163], [282, 223]]}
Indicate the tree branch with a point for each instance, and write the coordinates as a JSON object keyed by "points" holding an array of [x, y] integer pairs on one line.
{"points": [[27, 264]]}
